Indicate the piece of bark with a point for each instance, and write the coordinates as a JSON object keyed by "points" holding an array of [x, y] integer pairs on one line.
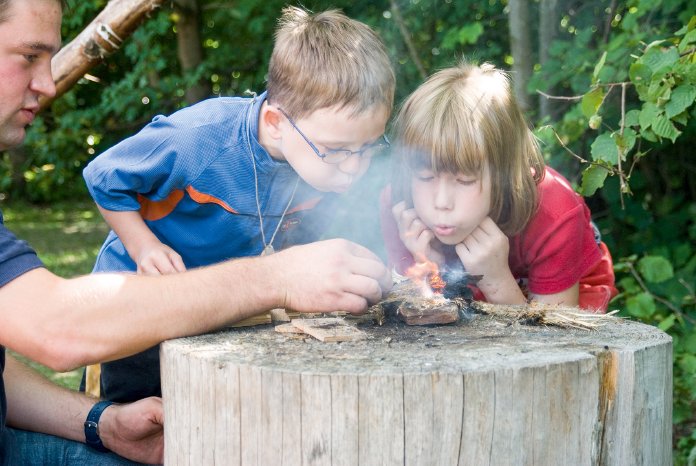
{"points": [[288, 328], [329, 329], [261, 319], [437, 312], [279, 315]]}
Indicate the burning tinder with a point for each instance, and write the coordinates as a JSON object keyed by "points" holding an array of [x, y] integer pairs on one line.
{"points": [[426, 274]]}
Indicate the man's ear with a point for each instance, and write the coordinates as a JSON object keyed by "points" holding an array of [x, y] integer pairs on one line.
{"points": [[272, 119]]}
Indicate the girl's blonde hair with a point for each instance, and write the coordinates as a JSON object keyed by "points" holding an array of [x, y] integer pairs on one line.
{"points": [[325, 60], [464, 119]]}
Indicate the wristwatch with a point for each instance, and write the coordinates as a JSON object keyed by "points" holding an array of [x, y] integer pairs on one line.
{"points": [[92, 425]]}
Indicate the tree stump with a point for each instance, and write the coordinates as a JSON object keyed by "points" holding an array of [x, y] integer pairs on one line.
{"points": [[476, 393]]}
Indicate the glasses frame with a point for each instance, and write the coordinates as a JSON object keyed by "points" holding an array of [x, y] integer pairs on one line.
{"points": [[334, 156]]}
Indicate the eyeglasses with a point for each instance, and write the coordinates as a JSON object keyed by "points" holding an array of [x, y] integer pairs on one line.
{"points": [[339, 155]]}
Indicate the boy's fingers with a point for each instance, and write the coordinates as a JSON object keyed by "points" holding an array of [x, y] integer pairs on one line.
{"points": [[177, 262]]}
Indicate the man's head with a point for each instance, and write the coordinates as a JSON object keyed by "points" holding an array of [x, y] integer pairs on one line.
{"points": [[330, 89], [29, 37]]}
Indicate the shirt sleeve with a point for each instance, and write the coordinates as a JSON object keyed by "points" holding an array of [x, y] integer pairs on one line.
{"points": [[158, 160], [559, 247], [16, 257]]}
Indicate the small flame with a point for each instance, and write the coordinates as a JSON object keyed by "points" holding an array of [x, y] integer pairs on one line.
{"points": [[426, 273], [437, 283]]}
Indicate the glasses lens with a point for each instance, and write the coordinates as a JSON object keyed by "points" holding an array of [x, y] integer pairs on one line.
{"points": [[336, 156]]}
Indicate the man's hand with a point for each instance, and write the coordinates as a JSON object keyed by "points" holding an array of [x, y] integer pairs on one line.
{"points": [[417, 238], [159, 259], [135, 430], [332, 275]]}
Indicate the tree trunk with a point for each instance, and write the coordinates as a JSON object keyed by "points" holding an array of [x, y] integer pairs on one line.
{"points": [[520, 45], [190, 50], [548, 29]]}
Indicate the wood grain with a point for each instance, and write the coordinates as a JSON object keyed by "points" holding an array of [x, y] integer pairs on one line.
{"points": [[479, 393]]}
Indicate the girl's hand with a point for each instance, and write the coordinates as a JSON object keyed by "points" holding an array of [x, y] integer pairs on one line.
{"points": [[159, 259], [417, 238], [485, 252]]}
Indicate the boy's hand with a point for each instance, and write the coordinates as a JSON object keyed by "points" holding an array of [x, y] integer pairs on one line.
{"points": [[159, 259], [135, 430], [328, 276], [417, 238]]}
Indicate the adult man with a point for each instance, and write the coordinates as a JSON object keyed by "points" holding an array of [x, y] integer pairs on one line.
{"points": [[69, 323]]}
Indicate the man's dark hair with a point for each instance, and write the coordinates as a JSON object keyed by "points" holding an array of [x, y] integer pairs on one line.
{"points": [[5, 5]]}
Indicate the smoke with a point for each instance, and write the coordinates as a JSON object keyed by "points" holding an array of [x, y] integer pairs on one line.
{"points": [[357, 212]]}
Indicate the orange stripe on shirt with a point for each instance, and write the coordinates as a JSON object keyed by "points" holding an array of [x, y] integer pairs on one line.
{"points": [[155, 210], [306, 205], [203, 198]]}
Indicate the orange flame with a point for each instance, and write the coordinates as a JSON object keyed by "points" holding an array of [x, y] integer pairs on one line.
{"points": [[437, 283], [427, 274]]}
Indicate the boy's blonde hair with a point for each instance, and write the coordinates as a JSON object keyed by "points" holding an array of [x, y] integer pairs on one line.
{"points": [[464, 119], [325, 60]]}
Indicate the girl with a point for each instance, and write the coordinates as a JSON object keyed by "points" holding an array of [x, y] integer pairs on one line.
{"points": [[471, 192]]}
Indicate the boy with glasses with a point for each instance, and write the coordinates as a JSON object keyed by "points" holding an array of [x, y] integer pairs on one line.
{"points": [[235, 177]]}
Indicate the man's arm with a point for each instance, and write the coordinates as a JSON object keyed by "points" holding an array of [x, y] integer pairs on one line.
{"points": [[134, 430], [67, 323]]}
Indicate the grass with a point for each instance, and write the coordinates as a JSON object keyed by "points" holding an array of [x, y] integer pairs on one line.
{"points": [[67, 238]]}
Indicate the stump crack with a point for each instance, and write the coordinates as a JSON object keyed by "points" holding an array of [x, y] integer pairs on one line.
{"points": [[608, 370]]}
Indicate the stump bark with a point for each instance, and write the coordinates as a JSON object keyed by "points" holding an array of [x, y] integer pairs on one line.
{"points": [[474, 393]]}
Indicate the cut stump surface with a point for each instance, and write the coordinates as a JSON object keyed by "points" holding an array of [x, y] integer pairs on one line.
{"points": [[469, 393]]}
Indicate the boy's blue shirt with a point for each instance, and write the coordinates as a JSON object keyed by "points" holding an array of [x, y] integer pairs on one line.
{"points": [[191, 177]]}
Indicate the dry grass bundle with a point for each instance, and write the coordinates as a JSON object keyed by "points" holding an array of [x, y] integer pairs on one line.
{"points": [[545, 314]]}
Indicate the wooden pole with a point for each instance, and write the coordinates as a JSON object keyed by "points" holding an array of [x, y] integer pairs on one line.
{"points": [[104, 35]]}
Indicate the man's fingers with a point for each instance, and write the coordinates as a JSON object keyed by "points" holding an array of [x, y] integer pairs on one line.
{"points": [[366, 287], [367, 264], [361, 251]]}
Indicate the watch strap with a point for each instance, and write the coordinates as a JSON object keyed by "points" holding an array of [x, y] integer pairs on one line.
{"points": [[92, 425]]}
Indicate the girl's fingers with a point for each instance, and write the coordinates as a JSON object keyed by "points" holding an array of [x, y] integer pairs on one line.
{"points": [[398, 209], [424, 238]]}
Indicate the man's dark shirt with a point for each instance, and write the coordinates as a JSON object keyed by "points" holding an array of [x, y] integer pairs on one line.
{"points": [[16, 258]]}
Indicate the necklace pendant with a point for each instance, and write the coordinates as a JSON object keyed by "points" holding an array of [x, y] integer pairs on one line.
{"points": [[268, 250]]}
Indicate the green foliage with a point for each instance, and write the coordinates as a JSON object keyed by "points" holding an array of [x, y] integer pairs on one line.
{"points": [[629, 138]]}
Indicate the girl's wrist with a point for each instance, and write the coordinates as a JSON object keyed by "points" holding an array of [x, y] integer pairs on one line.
{"points": [[503, 290]]}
